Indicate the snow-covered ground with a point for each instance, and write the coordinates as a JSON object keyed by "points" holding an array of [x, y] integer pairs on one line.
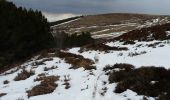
{"points": [[87, 84]]}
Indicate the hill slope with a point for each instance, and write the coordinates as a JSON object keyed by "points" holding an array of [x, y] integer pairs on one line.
{"points": [[83, 75], [106, 25]]}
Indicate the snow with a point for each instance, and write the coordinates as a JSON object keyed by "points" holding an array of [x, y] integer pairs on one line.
{"points": [[65, 22], [168, 33], [51, 17], [87, 84], [112, 35]]}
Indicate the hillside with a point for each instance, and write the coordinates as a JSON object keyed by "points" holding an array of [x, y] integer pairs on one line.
{"points": [[107, 25], [86, 73], [131, 64]]}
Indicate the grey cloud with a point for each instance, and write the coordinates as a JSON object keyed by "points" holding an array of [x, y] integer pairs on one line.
{"points": [[97, 6]]}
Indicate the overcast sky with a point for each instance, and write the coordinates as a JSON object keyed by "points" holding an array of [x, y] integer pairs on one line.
{"points": [[97, 6]]}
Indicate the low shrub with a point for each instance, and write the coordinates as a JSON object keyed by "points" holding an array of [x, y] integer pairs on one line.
{"points": [[148, 81]]}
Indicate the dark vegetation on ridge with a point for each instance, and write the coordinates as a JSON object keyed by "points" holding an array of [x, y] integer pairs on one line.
{"points": [[77, 40], [22, 33], [66, 40], [157, 32]]}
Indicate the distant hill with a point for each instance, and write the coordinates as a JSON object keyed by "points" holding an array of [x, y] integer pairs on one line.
{"points": [[108, 25]]}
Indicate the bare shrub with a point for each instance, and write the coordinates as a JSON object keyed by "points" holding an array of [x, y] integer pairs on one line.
{"points": [[24, 75]]}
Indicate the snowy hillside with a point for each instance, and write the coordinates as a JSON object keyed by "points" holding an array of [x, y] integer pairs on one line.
{"points": [[78, 73]]}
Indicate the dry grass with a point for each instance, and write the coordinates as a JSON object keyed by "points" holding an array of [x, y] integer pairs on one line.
{"points": [[46, 86], [76, 61], [24, 75]]}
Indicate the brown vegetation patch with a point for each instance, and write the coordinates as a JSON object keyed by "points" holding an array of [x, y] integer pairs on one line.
{"points": [[148, 81], [77, 61], [24, 75], [46, 86], [101, 47]]}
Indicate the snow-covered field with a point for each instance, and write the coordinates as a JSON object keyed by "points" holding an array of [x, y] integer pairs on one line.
{"points": [[87, 84]]}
